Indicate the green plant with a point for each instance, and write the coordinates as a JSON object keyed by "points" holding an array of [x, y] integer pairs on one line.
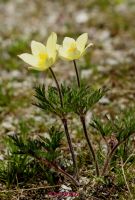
{"points": [[17, 169], [21, 164], [115, 133], [5, 96], [44, 150], [63, 101], [82, 99], [56, 100]]}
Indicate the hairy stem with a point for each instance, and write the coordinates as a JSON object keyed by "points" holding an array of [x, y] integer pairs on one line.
{"points": [[58, 87], [82, 118], [64, 121], [57, 168], [77, 73], [109, 157], [107, 162]]}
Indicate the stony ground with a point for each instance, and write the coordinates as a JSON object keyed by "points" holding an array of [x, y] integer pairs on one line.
{"points": [[111, 27]]}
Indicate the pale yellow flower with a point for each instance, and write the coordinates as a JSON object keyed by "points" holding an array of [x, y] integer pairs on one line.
{"points": [[42, 56], [74, 49]]}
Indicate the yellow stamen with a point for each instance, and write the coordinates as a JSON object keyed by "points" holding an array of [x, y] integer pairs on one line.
{"points": [[42, 58], [72, 48]]}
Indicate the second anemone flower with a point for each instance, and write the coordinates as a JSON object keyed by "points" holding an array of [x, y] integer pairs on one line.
{"points": [[74, 49], [42, 56]]}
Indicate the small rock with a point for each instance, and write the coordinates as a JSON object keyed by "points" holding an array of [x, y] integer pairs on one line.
{"points": [[104, 100], [86, 73], [81, 17], [1, 157], [7, 126]]}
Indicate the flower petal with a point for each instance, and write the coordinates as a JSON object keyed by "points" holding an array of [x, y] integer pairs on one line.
{"points": [[89, 45], [81, 41], [43, 66], [67, 42], [29, 58], [39, 68], [51, 45], [37, 47], [58, 46], [66, 55], [84, 51], [63, 54]]}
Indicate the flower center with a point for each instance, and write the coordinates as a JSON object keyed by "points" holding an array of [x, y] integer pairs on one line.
{"points": [[72, 47], [42, 58]]}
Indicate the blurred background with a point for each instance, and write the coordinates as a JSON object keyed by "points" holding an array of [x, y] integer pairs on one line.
{"points": [[111, 61]]}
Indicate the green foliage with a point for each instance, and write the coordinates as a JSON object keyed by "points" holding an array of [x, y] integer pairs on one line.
{"points": [[84, 98], [44, 147], [105, 4], [54, 142], [16, 47], [5, 96], [116, 134], [20, 166], [120, 179], [16, 169], [105, 129], [77, 100], [122, 126], [125, 125], [49, 100]]}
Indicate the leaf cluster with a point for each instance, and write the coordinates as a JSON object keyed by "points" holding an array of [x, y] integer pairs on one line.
{"points": [[77, 100], [43, 147], [84, 98], [49, 100], [17, 169], [123, 126], [20, 166]]}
